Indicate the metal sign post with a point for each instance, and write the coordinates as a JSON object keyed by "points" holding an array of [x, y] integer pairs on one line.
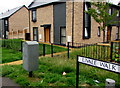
{"points": [[77, 73], [30, 74], [68, 49]]}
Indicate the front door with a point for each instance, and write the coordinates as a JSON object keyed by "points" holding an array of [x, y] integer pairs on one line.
{"points": [[47, 34], [109, 33], [35, 33]]}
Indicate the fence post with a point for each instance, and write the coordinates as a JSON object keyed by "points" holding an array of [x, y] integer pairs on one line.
{"points": [[68, 49], [4, 42], [51, 50], [111, 50], [21, 45], [96, 51], [43, 49]]}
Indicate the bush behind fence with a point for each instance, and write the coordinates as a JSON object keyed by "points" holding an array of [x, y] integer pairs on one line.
{"points": [[14, 44]]}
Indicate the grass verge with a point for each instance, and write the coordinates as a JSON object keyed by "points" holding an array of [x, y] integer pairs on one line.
{"points": [[56, 49], [9, 55], [11, 50], [50, 74]]}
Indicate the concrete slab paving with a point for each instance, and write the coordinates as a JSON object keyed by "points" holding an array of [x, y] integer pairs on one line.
{"points": [[8, 83]]}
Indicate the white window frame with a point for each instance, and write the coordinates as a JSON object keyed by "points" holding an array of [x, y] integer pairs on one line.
{"points": [[98, 31], [110, 11], [34, 17], [63, 36]]}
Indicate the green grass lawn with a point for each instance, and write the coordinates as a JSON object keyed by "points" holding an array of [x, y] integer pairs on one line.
{"points": [[9, 55], [50, 73], [51, 69], [12, 50], [14, 44], [56, 49]]}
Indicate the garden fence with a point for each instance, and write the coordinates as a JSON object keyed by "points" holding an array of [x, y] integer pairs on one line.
{"points": [[16, 44], [12, 44], [105, 52], [115, 51]]}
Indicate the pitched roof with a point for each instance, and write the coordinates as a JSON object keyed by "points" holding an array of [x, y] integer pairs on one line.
{"points": [[37, 3], [10, 12], [119, 3]]}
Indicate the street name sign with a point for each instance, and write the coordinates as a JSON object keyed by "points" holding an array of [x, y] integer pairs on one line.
{"points": [[113, 67], [100, 64]]}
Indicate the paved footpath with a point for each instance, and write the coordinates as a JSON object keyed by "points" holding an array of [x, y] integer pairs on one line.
{"points": [[8, 83]]}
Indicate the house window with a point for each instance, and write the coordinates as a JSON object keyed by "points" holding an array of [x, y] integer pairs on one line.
{"points": [[110, 11], [34, 15], [86, 32], [6, 23], [98, 32], [63, 35], [86, 7], [35, 33], [87, 22], [118, 13]]}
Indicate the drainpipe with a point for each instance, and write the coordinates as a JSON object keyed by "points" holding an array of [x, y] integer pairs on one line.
{"points": [[73, 23], [29, 23], [118, 32], [2, 29]]}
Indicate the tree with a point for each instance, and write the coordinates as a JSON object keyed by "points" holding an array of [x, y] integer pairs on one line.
{"points": [[99, 12]]}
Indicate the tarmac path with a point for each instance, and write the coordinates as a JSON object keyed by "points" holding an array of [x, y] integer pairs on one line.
{"points": [[8, 83]]}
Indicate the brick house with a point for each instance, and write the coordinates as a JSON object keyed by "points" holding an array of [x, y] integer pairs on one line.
{"points": [[113, 31], [84, 29], [60, 22], [15, 23], [46, 20]]}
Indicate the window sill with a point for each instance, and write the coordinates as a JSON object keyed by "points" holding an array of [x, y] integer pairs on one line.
{"points": [[34, 20], [86, 38]]}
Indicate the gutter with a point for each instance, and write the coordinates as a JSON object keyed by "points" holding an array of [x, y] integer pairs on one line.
{"points": [[29, 24]]}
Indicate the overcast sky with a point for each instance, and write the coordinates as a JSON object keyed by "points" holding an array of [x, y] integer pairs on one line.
{"points": [[9, 4]]}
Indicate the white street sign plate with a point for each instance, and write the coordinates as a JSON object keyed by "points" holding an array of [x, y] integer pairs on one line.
{"points": [[100, 64]]}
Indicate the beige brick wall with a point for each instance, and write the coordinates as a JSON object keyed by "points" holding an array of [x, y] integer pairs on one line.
{"points": [[44, 16], [113, 33], [68, 19], [19, 21], [78, 24]]}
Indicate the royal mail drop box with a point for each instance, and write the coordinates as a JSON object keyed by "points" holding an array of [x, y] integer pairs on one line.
{"points": [[30, 55]]}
